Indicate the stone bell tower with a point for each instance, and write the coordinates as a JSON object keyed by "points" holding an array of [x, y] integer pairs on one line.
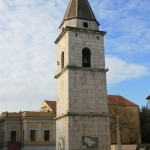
{"points": [[82, 120]]}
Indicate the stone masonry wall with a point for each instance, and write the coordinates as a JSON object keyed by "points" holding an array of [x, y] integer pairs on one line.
{"points": [[93, 41], [87, 92], [82, 107], [92, 25], [62, 46], [83, 132], [89, 132]]}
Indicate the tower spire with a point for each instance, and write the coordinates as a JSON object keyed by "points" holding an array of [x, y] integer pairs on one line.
{"points": [[79, 9]]}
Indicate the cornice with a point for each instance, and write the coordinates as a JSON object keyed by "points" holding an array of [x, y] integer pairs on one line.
{"points": [[83, 115], [67, 28], [79, 68]]}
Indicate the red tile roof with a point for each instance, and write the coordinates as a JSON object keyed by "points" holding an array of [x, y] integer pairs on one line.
{"points": [[115, 99], [112, 99], [52, 105]]}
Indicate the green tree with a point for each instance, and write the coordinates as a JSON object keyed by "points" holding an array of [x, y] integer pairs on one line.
{"points": [[145, 123]]}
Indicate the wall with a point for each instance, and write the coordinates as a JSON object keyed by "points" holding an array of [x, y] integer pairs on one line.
{"points": [[129, 124], [39, 148], [124, 147]]}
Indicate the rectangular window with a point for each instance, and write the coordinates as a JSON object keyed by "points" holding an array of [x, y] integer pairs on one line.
{"points": [[46, 135], [32, 135], [13, 135]]}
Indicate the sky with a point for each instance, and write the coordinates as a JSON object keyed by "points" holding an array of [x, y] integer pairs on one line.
{"points": [[28, 29]]}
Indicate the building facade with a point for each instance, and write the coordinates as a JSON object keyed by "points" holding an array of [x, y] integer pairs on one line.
{"points": [[82, 120], [36, 130], [128, 113], [129, 119], [27, 131]]}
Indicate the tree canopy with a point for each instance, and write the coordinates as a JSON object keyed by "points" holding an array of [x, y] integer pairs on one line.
{"points": [[145, 123]]}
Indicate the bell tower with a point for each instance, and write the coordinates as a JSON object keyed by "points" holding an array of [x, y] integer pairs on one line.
{"points": [[82, 120]]}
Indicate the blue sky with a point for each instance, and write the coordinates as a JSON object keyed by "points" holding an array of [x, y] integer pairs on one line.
{"points": [[28, 29]]}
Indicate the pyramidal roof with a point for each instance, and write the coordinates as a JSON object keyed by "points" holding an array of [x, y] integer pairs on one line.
{"points": [[79, 9]]}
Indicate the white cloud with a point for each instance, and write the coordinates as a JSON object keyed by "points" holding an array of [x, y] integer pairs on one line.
{"points": [[28, 54], [120, 70]]}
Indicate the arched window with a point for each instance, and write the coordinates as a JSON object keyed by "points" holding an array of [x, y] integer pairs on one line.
{"points": [[86, 57], [62, 60]]}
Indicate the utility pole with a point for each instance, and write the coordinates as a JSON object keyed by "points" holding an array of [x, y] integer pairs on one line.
{"points": [[118, 134]]}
